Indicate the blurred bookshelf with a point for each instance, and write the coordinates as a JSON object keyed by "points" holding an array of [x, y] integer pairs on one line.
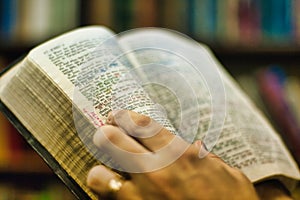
{"points": [[249, 25], [245, 35]]}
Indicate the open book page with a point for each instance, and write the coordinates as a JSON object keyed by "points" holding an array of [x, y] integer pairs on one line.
{"points": [[62, 75], [245, 140], [87, 65]]}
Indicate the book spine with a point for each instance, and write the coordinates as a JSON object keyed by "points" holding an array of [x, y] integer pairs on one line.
{"points": [[198, 19], [227, 27], [292, 88], [221, 21], [16, 146], [40, 20], [70, 14], [4, 142], [175, 15], [270, 83], [99, 12], [191, 7], [145, 13], [232, 22], [276, 17], [122, 17], [8, 20], [249, 22], [204, 20], [34, 21], [296, 20]]}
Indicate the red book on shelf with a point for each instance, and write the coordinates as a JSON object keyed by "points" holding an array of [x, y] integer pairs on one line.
{"points": [[249, 22], [16, 145], [4, 144], [273, 94], [296, 13]]}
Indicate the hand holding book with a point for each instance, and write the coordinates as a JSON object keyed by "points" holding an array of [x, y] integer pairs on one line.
{"points": [[186, 178]]}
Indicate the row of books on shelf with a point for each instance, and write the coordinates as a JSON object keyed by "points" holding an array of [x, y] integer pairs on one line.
{"points": [[29, 22], [248, 22], [234, 22], [277, 93]]}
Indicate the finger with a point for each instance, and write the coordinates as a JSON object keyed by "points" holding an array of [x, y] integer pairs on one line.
{"points": [[144, 129], [100, 178], [110, 136], [133, 157], [126, 153]]}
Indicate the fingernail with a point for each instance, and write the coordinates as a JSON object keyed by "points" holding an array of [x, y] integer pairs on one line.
{"points": [[92, 177], [97, 138], [109, 118]]}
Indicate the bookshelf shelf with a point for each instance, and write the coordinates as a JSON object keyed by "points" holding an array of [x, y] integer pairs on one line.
{"points": [[262, 50], [257, 57]]}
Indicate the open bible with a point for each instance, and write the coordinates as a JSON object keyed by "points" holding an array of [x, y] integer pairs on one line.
{"points": [[61, 92]]}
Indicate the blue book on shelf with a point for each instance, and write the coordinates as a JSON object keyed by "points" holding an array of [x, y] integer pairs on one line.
{"points": [[8, 18], [191, 13], [277, 20], [205, 19]]}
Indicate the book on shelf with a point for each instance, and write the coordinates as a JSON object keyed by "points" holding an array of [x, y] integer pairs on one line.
{"points": [[275, 92], [271, 86], [277, 21], [8, 18], [4, 141], [24, 23], [292, 88], [99, 12], [249, 25], [174, 15], [145, 13], [52, 99]]}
